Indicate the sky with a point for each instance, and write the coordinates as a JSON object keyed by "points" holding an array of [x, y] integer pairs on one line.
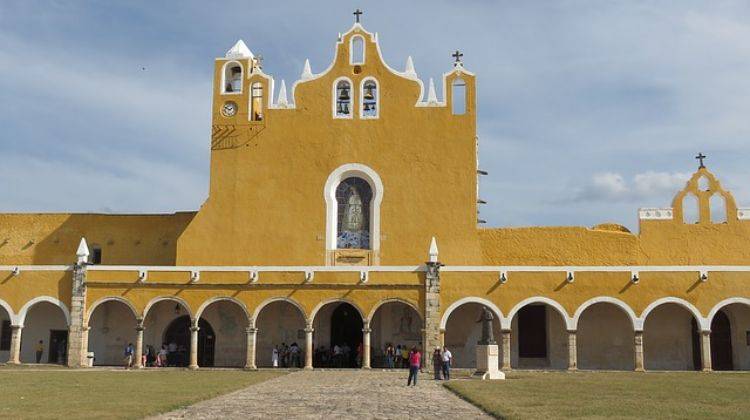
{"points": [[587, 110]]}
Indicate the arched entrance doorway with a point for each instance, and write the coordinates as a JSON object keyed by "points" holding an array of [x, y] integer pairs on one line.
{"points": [[281, 325], [111, 328], [605, 338], [539, 338], [338, 336], [396, 324], [671, 339], [230, 339], [45, 327], [463, 332], [178, 332], [721, 342]]}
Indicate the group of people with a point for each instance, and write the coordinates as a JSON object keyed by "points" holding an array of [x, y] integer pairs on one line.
{"points": [[441, 363], [396, 357], [168, 355], [286, 356], [338, 356]]}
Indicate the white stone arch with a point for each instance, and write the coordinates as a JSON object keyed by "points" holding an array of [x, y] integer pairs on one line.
{"points": [[223, 86], [719, 306], [471, 299], [567, 320], [329, 193], [213, 300], [334, 98], [25, 309], [109, 299], [682, 302], [259, 308], [179, 300], [9, 310], [635, 322], [361, 101], [393, 300], [320, 305]]}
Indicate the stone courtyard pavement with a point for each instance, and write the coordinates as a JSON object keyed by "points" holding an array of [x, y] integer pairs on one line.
{"points": [[335, 394]]}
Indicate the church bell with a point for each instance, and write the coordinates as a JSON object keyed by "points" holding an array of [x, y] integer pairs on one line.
{"points": [[369, 95], [344, 95]]}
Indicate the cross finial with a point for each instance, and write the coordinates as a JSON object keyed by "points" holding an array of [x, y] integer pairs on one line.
{"points": [[700, 158], [259, 61], [356, 14], [457, 55]]}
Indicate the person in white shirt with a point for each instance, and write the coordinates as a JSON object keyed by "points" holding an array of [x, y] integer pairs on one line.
{"points": [[447, 360], [275, 357]]}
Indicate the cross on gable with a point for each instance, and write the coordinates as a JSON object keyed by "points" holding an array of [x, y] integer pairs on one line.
{"points": [[700, 158], [357, 14], [457, 55]]}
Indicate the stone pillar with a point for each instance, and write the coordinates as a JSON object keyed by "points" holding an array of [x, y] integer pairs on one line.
{"points": [[706, 351], [15, 345], [138, 362], [366, 346], [308, 347], [252, 337], [193, 347], [442, 338], [76, 350], [572, 351], [639, 365], [431, 333], [506, 349]]}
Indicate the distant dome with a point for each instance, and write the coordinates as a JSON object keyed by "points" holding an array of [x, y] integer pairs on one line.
{"points": [[611, 227]]}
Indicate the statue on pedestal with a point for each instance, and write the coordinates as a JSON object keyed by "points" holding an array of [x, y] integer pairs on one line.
{"points": [[486, 318]]}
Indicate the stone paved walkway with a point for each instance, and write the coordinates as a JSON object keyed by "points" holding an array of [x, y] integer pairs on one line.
{"points": [[335, 394]]}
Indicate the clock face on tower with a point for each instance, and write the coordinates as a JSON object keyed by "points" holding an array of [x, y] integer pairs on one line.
{"points": [[229, 109]]}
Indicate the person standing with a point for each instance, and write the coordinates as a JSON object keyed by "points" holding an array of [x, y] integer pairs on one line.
{"points": [[415, 360], [39, 351], [447, 361], [275, 356], [437, 363], [389, 356], [129, 350]]}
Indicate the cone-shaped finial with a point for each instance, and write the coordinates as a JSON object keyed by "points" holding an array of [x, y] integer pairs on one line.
{"points": [[82, 254], [282, 101], [239, 50], [409, 69], [433, 251], [431, 95], [306, 72]]}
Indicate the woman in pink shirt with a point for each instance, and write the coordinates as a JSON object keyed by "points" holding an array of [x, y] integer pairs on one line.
{"points": [[415, 360]]}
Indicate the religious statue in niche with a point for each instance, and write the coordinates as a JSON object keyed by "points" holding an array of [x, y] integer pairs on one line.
{"points": [[353, 197], [486, 318], [405, 327]]}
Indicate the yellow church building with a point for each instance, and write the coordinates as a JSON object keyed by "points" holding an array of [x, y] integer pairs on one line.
{"points": [[342, 217]]}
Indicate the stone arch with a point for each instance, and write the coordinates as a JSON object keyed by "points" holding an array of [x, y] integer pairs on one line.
{"points": [[392, 300], [682, 302], [393, 321], [568, 321], [226, 320], [109, 299], [278, 321], [213, 300], [320, 306], [635, 321], [334, 325], [9, 311], [25, 309], [455, 305], [259, 308], [726, 302], [158, 299]]}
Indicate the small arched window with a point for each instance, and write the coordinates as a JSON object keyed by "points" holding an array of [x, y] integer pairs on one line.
{"points": [[718, 206], [370, 98], [458, 96], [690, 210], [232, 78], [256, 102], [343, 99], [703, 184], [353, 197], [357, 50]]}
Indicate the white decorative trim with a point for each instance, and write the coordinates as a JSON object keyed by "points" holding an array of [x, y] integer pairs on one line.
{"points": [[10, 268], [329, 193], [106, 299], [213, 300], [433, 251], [82, 254], [351, 50], [392, 300], [239, 50], [11, 315], [682, 302], [743, 213], [21, 318], [432, 99], [455, 305], [635, 322], [722, 304], [307, 73], [652, 213], [320, 306], [595, 268], [334, 99], [409, 70], [362, 99], [260, 269], [259, 308], [158, 299], [282, 102], [567, 320]]}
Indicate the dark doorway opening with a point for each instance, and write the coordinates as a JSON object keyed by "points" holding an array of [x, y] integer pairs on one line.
{"points": [[178, 332], [721, 342], [346, 332], [696, 341], [532, 331], [58, 346]]}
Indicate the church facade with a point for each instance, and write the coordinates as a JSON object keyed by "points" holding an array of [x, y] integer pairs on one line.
{"points": [[345, 212]]}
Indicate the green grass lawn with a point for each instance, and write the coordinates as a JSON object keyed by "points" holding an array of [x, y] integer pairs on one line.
{"points": [[611, 394], [66, 393]]}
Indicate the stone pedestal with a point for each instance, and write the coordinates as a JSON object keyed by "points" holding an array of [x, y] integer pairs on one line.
{"points": [[487, 361]]}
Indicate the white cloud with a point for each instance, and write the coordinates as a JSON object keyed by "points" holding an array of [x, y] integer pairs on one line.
{"points": [[609, 187]]}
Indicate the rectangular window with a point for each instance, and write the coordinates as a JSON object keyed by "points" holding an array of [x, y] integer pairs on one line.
{"points": [[5, 334], [96, 256], [532, 331]]}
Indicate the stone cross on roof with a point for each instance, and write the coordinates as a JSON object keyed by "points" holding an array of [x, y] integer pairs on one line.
{"points": [[700, 158], [356, 14], [457, 55]]}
